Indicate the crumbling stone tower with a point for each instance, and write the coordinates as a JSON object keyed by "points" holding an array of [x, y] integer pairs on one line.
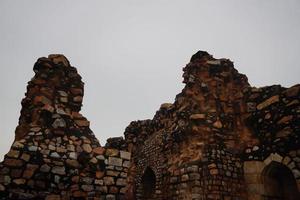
{"points": [[220, 139], [55, 155]]}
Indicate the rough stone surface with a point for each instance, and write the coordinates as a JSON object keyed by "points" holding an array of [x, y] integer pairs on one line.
{"points": [[217, 123], [55, 155], [214, 142]]}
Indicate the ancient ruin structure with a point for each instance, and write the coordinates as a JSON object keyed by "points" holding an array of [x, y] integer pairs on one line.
{"points": [[220, 140], [55, 154]]}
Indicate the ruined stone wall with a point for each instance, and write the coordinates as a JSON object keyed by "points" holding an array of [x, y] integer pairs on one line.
{"points": [[215, 126], [55, 155], [275, 121], [200, 133], [221, 139]]}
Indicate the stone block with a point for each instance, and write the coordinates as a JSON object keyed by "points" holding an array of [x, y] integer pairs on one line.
{"points": [[54, 155], [218, 124], [19, 181], [184, 177], [2, 188], [286, 160], [32, 148], [194, 176], [29, 171], [197, 116], [87, 148], [293, 91], [193, 168], [125, 155], [99, 150], [45, 168], [73, 155], [214, 62], [123, 190], [166, 105], [87, 188], [214, 171], [112, 152], [112, 173], [123, 174], [173, 179], [121, 182], [115, 161], [13, 162], [16, 173], [100, 157], [113, 190], [103, 189], [296, 173], [110, 197], [291, 165], [13, 153], [108, 180], [268, 102], [99, 182], [83, 123], [59, 123], [72, 163], [18, 145], [53, 197], [58, 170], [126, 164], [99, 174]]}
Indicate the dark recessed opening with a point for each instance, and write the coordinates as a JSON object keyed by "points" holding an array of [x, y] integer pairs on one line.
{"points": [[279, 183], [148, 184]]}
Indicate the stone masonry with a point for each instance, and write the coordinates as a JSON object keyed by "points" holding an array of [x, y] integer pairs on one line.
{"points": [[221, 139], [55, 155]]}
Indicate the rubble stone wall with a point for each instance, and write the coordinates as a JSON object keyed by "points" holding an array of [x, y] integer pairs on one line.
{"points": [[274, 119], [55, 155], [217, 124], [221, 139], [150, 156]]}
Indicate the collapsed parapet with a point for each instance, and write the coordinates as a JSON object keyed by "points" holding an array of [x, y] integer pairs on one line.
{"points": [[198, 130], [199, 146], [55, 154]]}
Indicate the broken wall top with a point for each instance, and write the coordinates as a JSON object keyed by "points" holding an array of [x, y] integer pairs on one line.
{"points": [[217, 107], [53, 100], [55, 154]]}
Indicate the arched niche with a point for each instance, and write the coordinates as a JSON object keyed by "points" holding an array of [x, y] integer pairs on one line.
{"points": [[263, 177], [148, 184], [279, 183]]}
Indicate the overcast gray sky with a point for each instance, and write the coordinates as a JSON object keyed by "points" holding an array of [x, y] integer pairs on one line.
{"points": [[130, 53]]}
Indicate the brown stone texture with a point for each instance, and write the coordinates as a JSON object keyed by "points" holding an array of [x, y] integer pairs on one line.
{"points": [[55, 155], [221, 139], [197, 146]]}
